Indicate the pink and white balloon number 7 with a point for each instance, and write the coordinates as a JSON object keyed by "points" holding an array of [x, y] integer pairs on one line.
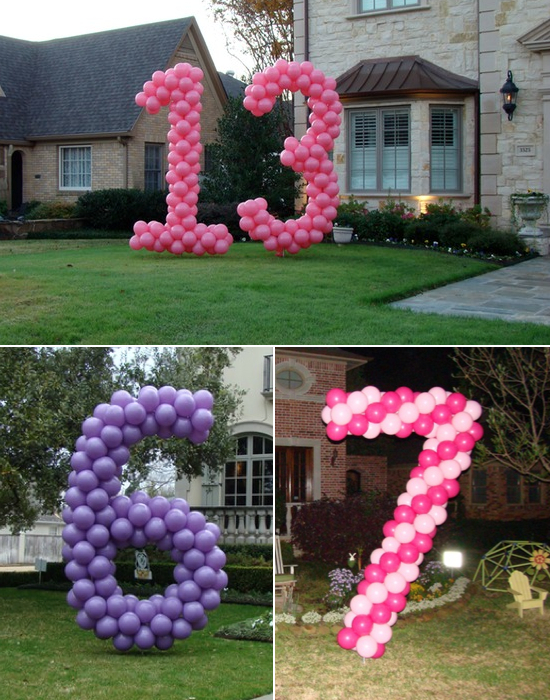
{"points": [[448, 422], [181, 88]]}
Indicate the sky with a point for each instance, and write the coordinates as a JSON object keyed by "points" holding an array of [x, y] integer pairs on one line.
{"points": [[37, 20]]}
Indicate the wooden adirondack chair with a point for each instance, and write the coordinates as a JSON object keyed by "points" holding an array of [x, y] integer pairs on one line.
{"points": [[284, 582], [523, 598]]}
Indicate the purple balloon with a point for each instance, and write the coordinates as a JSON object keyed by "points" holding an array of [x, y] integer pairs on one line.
{"points": [[183, 539], [131, 434], [182, 573], [161, 625], [167, 394], [122, 530], [155, 529], [72, 534], [121, 398], [98, 535], [175, 520], [83, 552], [144, 638], [193, 558], [96, 448], [196, 521], [180, 504], [80, 461], [182, 428], [123, 642], [189, 591], [172, 607], [99, 566], [149, 425], [148, 397], [104, 468], [193, 611], [97, 499], [100, 410], [111, 487], [181, 629], [210, 599], [139, 514], [74, 497], [139, 497], [116, 606], [83, 517], [106, 627], [165, 543], [121, 505], [87, 480], [215, 558], [75, 571], [135, 413], [139, 538], [129, 623], [83, 589], [120, 455], [108, 551], [184, 404], [145, 610], [202, 419], [200, 623], [84, 620], [159, 506], [106, 586], [205, 540], [105, 516], [111, 436], [205, 577], [197, 437], [221, 580], [92, 427], [165, 414], [204, 399], [164, 643], [114, 415], [73, 601], [95, 607]]}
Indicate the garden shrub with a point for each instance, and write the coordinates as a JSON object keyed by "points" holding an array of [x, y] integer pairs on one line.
{"points": [[249, 578], [120, 208], [329, 529], [51, 210], [214, 213], [3, 207]]}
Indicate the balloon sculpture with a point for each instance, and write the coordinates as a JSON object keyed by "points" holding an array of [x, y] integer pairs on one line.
{"points": [[181, 88], [99, 522], [448, 421], [308, 156]]}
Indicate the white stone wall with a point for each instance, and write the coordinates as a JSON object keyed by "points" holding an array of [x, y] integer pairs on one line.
{"points": [[477, 39]]}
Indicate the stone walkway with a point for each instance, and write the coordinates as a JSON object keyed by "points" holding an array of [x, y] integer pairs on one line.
{"points": [[515, 293]]}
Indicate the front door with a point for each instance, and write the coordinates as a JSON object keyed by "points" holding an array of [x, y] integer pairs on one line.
{"points": [[16, 180], [294, 469]]}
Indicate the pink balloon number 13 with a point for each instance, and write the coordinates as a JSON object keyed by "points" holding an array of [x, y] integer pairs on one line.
{"points": [[180, 88]]}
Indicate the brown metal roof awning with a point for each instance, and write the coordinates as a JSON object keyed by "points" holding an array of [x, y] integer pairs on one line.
{"points": [[404, 75]]}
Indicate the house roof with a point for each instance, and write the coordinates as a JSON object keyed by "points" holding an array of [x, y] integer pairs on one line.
{"points": [[399, 76], [83, 84], [351, 359]]}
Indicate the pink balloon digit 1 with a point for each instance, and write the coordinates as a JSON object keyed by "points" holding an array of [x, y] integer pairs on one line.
{"points": [[448, 422], [180, 88], [308, 156]]}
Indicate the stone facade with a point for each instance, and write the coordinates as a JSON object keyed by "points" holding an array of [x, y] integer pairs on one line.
{"points": [[480, 40]]}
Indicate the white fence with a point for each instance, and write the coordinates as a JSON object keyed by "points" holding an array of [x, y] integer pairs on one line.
{"points": [[24, 548], [246, 525]]}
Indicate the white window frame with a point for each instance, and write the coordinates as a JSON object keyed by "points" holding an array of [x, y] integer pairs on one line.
{"points": [[379, 113], [248, 477], [81, 188], [457, 110], [387, 6]]}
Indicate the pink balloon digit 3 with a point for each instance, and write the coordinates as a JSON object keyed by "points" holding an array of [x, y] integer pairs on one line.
{"points": [[308, 156], [448, 422], [180, 88]]}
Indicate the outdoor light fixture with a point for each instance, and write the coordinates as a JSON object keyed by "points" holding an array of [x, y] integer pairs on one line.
{"points": [[509, 92], [452, 560]]}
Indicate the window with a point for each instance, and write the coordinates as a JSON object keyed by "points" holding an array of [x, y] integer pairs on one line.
{"points": [[445, 150], [154, 158], [353, 482], [249, 477], [513, 486], [374, 5], [534, 494], [289, 379], [268, 375], [380, 150], [479, 486], [75, 167]]}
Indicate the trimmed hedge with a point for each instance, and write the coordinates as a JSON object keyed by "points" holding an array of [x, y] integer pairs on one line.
{"points": [[244, 579]]}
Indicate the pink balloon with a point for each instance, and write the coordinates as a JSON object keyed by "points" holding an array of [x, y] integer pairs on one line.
{"points": [[462, 421], [390, 562], [404, 533], [336, 432], [391, 424], [404, 514], [424, 523], [341, 414], [416, 486], [390, 544], [439, 514], [408, 412], [433, 476], [410, 572], [428, 458], [362, 624], [450, 469], [374, 573], [408, 553], [395, 582], [366, 646], [347, 638], [376, 593], [438, 495], [357, 401], [360, 604], [334, 396], [381, 633], [425, 402], [421, 504], [474, 409]]}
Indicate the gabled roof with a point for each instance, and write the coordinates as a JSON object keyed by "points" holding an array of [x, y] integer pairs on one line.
{"points": [[399, 76], [538, 39], [84, 84]]}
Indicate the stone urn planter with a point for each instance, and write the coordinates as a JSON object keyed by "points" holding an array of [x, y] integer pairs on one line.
{"points": [[530, 207], [342, 234]]}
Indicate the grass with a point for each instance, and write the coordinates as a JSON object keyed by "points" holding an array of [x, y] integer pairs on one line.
{"points": [[101, 292], [468, 650], [45, 655]]}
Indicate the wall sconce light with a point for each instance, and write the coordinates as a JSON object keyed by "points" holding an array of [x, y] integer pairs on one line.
{"points": [[509, 92]]}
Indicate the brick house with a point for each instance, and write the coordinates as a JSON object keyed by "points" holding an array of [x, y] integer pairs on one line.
{"points": [[420, 83], [68, 119], [308, 465]]}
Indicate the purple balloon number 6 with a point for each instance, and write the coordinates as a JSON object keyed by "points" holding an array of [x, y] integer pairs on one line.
{"points": [[99, 522]]}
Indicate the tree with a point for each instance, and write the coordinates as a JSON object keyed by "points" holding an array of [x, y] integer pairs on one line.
{"points": [[190, 368], [245, 160], [513, 385], [264, 27], [45, 394]]}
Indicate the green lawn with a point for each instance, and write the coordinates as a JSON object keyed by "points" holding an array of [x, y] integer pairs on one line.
{"points": [[44, 655], [466, 651], [102, 292]]}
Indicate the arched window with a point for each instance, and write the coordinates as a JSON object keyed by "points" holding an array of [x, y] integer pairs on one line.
{"points": [[249, 477]]}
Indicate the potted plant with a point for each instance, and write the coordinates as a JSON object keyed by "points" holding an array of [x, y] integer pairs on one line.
{"points": [[342, 234], [531, 206]]}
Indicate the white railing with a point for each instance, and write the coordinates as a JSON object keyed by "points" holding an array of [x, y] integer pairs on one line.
{"points": [[291, 510], [242, 525]]}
